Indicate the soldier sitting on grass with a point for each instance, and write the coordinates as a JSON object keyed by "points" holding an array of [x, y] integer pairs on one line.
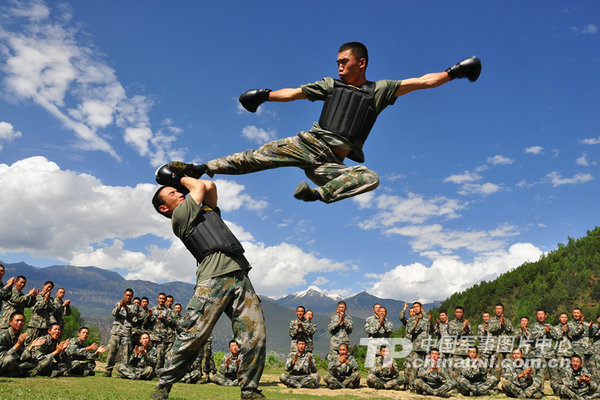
{"points": [[228, 372], [342, 372], [142, 363], [385, 373], [522, 380], [473, 378], [82, 358], [12, 346], [301, 368], [433, 378]]}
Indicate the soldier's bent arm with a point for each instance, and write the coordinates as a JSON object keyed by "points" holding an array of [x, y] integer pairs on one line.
{"points": [[287, 94]]}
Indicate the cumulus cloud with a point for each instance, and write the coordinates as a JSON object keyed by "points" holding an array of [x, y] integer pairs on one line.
{"points": [[447, 275], [7, 133], [500, 160], [589, 29], [468, 180], [257, 135], [466, 176], [584, 162], [47, 61], [533, 150], [557, 180], [60, 214], [479, 188], [591, 141]]}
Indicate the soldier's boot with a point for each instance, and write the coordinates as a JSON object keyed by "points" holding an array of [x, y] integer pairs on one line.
{"points": [[107, 374], [390, 385], [256, 394], [161, 392], [306, 193]]}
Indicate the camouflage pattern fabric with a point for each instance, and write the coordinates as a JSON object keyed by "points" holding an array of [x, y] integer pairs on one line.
{"points": [[340, 331], [418, 330], [234, 295], [474, 379], [343, 375], [578, 334], [5, 293], [41, 315], [384, 375], [437, 383], [16, 303], [301, 373], [162, 319], [228, 371], [297, 330], [79, 359], [60, 312], [374, 328], [120, 334], [10, 359], [47, 363], [321, 165], [140, 366], [572, 388], [524, 387]]}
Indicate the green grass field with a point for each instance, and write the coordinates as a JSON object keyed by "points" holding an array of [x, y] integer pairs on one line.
{"points": [[101, 388]]}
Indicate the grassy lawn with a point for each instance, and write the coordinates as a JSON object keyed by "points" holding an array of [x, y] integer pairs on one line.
{"points": [[101, 388]]}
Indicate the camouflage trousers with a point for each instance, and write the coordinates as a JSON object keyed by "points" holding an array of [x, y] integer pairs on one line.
{"points": [[136, 373], [321, 165], [410, 370], [13, 366], [114, 343], [349, 382], [233, 295], [192, 377], [300, 381], [161, 351], [79, 368], [442, 389], [34, 333], [483, 388], [225, 380], [49, 367], [564, 392], [513, 390], [378, 382], [208, 362]]}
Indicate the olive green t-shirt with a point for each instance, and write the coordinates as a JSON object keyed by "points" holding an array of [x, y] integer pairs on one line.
{"points": [[215, 264], [384, 95]]}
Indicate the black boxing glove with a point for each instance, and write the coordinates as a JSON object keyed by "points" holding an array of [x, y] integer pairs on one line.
{"points": [[251, 99], [166, 177], [184, 169], [468, 68]]}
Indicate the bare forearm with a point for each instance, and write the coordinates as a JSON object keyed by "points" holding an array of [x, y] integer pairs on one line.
{"points": [[287, 94], [427, 81]]}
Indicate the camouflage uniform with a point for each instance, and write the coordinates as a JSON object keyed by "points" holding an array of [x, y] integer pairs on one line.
{"points": [[543, 349], [462, 340], [384, 376], [436, 383], [140, 325], [81, 361], [162, 319], [418, 330], [41, 316], [120, 334], [526, 342], [340, 332], [16, 303], [572, 388], [228, 372], [171, 331], [343, 375], [579, 336], [140, 366], [208, 361], [5, 293], [375, 329], [504, 341], [60, 312], [11, 363], [48, 364], [446, 343], [474, 378], [525, 387], [594, 364], [310, 328], [486, 344], [302, 373], [297, 330], [194, 373], [564, 351]]}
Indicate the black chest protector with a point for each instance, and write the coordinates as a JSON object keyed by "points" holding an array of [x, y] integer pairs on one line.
{"points": [[211, 235], [349, 111]]}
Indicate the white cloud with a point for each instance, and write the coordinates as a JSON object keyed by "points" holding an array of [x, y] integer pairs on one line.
{"points": [[414, 209], [257, 135], [49, 62], [589, 29], [534, 150], [591, 141], [7, 133], [447, 275], [500, 160], [584, 162], [466, 176], [556, 178], [321, 280], [477, 188]]}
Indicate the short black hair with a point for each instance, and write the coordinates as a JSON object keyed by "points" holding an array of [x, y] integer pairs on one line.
{"points": [[358, 50], [12, 316], [82, 328], [47, 282], [443, 311], [128, 290], [18, 278], [157, 201], [342, 302], [145, 298], [162, 294], [459, 308], [302, 307], [234, 341]]}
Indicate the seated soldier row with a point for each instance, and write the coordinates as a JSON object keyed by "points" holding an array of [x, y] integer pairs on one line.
{"points": [[45, 355]]}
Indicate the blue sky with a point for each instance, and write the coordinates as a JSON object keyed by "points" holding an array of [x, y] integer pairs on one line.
{"points": [[476, 178]]}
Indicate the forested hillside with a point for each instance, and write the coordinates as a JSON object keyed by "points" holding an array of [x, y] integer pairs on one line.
{"points": [[567, 277]]}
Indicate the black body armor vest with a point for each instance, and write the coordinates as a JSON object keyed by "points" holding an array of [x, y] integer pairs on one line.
{"points": [[211, 235], [350, 111]]}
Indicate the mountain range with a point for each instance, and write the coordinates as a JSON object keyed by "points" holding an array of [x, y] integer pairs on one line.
{"points": [[95, 291]]}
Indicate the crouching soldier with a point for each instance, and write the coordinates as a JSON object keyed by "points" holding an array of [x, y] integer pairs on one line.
{"points": [[302, 369], [342, 371], [230, 365], [142, 362], [521, 380], [12, 346], [49, 355], [433, 378], [473, 377], [577, 382], [384, 374], [82, 358]]}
